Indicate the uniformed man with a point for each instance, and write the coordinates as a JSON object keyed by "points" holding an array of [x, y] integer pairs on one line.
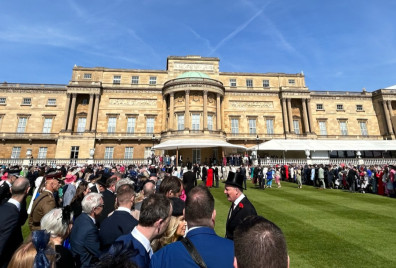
{"points": [[46, 201]]}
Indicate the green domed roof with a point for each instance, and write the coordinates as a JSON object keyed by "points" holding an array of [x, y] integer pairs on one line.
{"points": [[193, 75]]}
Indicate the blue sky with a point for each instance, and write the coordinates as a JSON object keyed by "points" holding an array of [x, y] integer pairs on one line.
{"points": [[343, 45]]}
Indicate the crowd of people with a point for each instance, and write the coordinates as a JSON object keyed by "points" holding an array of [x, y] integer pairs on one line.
{"points": [[129, 216]]}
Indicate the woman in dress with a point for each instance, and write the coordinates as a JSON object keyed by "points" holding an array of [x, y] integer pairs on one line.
{"points": [[277, 177], [209, 180], [298, 175]]}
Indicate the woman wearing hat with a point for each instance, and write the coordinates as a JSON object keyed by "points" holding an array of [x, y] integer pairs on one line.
{"points": [[240, 207]]}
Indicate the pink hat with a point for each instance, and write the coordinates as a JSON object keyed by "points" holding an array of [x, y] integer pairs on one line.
{"points": [[4, 177], [70, 178]]}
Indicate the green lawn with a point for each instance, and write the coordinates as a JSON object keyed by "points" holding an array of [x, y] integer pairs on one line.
{"points": [[325, 228]]}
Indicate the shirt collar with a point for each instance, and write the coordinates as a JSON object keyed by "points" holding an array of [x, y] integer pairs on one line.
{"points": [[15, 202], [236, 202], [9, 183], [143, 240], [124, 209], [93, 219]]}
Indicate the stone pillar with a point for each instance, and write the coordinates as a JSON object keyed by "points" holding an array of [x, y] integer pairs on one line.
{"points": [[285, 120], [95, 114], [89, 116], [187, 111], [310, 115], [171, 110], [205, 110], [305, 116], [164, 111], [67, 109], [218, 113], [387, 116], [289, 112], [72, 112]]}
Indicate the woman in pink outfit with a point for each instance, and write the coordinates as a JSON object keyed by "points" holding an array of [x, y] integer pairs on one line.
{"points": [[209, 180]]}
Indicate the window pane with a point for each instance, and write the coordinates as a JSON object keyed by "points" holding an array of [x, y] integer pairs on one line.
{"points": [[249, 83], [131, 124], [22, 124], [210, 122], [296, 125], [196, 155], [234, 125], [74, 152], [233, 83], [270, 126], [195, 122], [252, 126], [109, 153], [135, 80], [266, 83], [363, 128], [117, 79], [153, 80], [322, 128], [344, 129], [42, 152], [111, 126], [180, 122], [16, 152], [81, 124], [47, 125], [150, 125], [128, 153]]}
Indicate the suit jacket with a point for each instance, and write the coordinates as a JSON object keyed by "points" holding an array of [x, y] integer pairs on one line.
{"points": [[119, 223], [142, 258], [84, 241], [242, 210], [10, 232], [109, 202], [5, 192], [189, 181], [205, 241]]}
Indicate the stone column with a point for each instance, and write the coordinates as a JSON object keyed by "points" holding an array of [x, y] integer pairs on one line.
{"points": [[171, 110], [72, 112], [285, 120], [95, 114], [205, 110], [310, 115], [218, 113], [289, 112], [67, 109], [164, 113], [305, 116], [387, 116], [89, 116], [187, 111]]}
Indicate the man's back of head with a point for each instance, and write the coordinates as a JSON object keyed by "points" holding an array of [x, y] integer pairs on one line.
{"points": [[270, 249], [154, 207], [125, 195], [199, 210], [20, 186]]}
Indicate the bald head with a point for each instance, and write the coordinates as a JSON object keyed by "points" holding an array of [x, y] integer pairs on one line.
{"points": [[20, 186]]}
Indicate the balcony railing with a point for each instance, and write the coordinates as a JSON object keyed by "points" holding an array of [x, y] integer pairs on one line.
{"points": [[350, 137], [127, 135], [68, 161], [253, 136], [36, 136]]}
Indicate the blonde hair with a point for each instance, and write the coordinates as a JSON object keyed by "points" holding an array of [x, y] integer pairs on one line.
{"points": [[169, 236]]}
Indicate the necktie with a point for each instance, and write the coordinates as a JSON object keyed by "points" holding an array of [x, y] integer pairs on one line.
{"points": [[231, 210]]}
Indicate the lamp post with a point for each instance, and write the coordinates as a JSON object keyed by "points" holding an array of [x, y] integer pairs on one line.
{"points": [[153, 150], [258, 150]]}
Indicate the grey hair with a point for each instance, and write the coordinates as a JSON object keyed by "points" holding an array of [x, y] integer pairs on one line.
{"points": [[122, 182], [52, 223], [91, 201]]}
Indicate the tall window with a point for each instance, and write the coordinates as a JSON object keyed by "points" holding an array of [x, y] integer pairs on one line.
{"points": [[249, 83], [180, 122], [252, 126], [195, 122], [233, 83], [363, 128], [109, 151], [81, 124], [210, 122], [42, 153], [153, 80], [74, 152], [47, 125], [196, 153], [16, 152], [296, 125], [343, 128], [117, 79], [147, 152], [234, 125], [322, 128], [266, 83], [22, 124], [128, 153], [150, 124], [270, 125], [135, 80], [111, 124], [131, 121]]}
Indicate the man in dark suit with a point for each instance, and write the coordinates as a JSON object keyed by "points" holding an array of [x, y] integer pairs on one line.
{"points": [[84, 237], [154, 218], [204, 174], [121, 221], [13, 216], [240, 207], [215, 251], [189, 180], [109, 199]]}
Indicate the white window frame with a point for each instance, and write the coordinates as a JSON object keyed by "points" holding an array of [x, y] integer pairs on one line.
{"points": [[42, 153], [27, 101], [363, 128], [109, 152], [235, 125], [147, 152], [340, 107], [319, 106], [359, 108], [22, 123], [249, 82], [128, 154], [135, 80], [322, 128], [180, 122], [195, 121], [150, 121], [87, 76], [210, 122], [111, 124], [116, 79], [81, 123], [51, 102], [196, 155], [266, 83], [16, 152], [47, 126], [343, 128], [74, 152], [131, 122], [296, 125], [292, 82], [153, 80], [269, 123], [233, 82], [3, 100], [252, 126]]}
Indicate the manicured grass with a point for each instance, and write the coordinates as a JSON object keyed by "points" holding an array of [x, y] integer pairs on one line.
{"points": [[324, 228]]}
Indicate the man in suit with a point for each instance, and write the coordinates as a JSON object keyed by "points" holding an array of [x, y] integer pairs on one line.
{"points": [[109, 199], [204, 174], [200, 215], [270, 244], [154, 218], [189, 180], [149, 188], [240, 207], [121, 221], [242, 171], [46, 201], [13, 216], [84, 236]]}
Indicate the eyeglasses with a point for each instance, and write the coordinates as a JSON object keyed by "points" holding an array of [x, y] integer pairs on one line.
{"points": [[102, 205]]}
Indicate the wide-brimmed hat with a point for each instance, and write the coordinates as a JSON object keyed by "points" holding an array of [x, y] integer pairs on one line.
{"points": [[234, 179], [70, 178]]}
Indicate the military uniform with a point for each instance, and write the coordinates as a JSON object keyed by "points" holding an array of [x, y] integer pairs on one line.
{"points": [[41, 206]]}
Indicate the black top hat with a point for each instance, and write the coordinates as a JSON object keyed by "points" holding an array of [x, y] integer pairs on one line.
{"points": [[234, 179]]}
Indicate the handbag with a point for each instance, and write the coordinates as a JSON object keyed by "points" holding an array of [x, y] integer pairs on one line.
{"points": [[193, 252]]}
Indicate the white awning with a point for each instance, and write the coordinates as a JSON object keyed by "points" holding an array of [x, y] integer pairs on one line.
{"points": [[326, 145], [195, 143]]}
